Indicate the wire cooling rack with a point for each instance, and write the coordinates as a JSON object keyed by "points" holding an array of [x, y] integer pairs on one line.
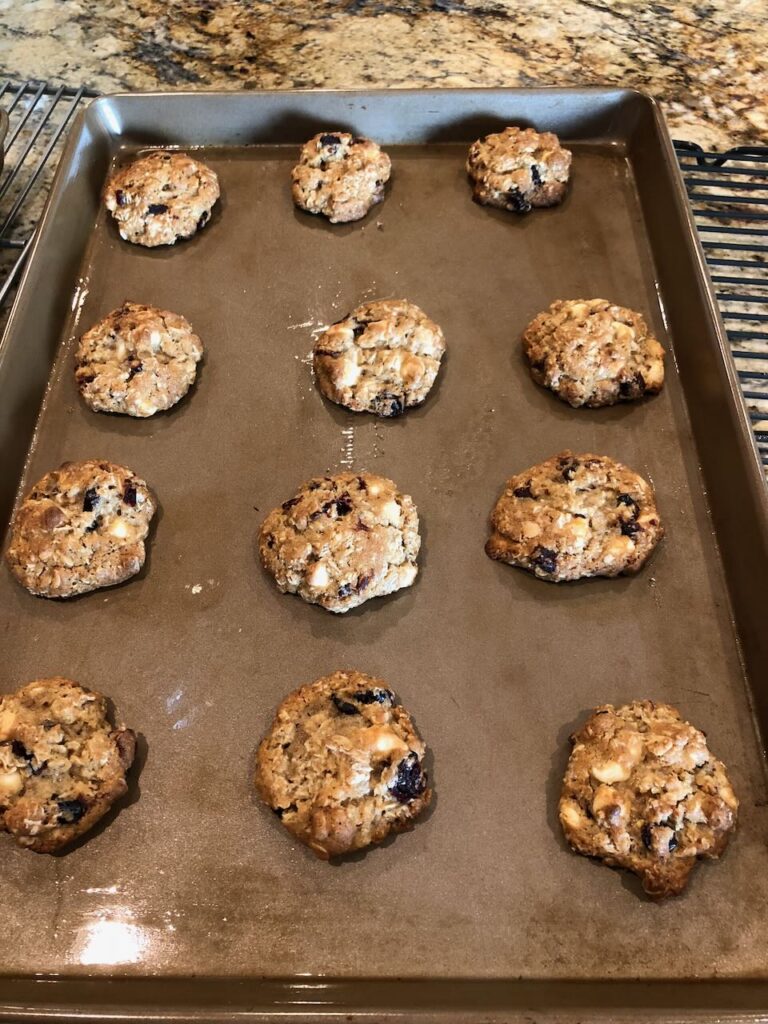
{"points": [[728, 193]]}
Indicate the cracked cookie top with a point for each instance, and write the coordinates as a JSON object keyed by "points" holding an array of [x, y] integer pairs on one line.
{"points": [[518, 169], [592, 352], [340, 176], [62, 765], [161, 198], [342, 540], [342, 764], [138, 360], [81, 527], [383, 358], [643, 791], [574, 516]]}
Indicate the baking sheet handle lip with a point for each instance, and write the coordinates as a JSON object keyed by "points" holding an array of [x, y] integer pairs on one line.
{"points": [[59, 178], [607, 90], [223, 1000]]}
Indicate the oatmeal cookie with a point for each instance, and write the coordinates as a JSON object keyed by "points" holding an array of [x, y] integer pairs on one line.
{"points": [[518, 168], [138, 360], [574, 516], [642, 791], [342, 764], [382, 358], [342, 540], [592, 352], [161, 198], [62, 765], [339, 176], [81, 527]]}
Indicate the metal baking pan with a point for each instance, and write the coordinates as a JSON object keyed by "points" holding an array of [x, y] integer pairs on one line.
{"points": [[192, 903]]}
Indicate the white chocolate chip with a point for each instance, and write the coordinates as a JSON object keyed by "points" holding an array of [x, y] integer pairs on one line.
{"points": [[381, 739], [610, 772], [408, 574], [318, 577], [120, 529], [531, 529], [570, 814], [11, 783], [349, 375], [390, 513]]}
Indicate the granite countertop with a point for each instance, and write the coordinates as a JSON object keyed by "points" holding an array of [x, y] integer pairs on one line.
{"points": [[706, 62]]}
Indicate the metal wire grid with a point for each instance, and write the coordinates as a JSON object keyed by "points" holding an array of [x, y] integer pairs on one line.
{"points": [[38, 115], [729, 196], [728, 193]]}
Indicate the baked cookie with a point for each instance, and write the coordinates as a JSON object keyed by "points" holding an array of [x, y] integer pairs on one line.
{"points": [[382, 358], [62, 765], [81, 527], [574, 516], [342, 540], [340, 176], [642, 791], [161, 197], [591, 352], [138, 360], [342, 764], [518, 168]]}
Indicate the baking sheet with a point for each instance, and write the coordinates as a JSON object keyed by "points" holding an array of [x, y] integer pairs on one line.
{"points": [[192, 879]]}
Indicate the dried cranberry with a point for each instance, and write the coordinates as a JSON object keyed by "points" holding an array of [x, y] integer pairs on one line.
{"points": [[90, 499], [410, 782], [288, 505], [363, 581], [154, 208], [535, 176], [633, 387], [626, 499], [517, 201], [631, 528], [387, 404], [133, 369], [545, 559], [129, 495], [330, 141], [120, 197], [376, 696], [522, 492], [343, 505], [70, 811], [343, 706]]}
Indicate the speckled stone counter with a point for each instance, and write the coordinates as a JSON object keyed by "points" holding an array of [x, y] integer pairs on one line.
{"points": [[706, 62]]}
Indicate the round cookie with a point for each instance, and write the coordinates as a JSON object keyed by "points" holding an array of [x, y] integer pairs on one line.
{"points": [[382, 358], [592, 352], [342, 764], [642, 791], [81, 527], [340, 176], [62, 765], [342, 540], [161, 198], [138, 360], [574, 516], [518, 168]]}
